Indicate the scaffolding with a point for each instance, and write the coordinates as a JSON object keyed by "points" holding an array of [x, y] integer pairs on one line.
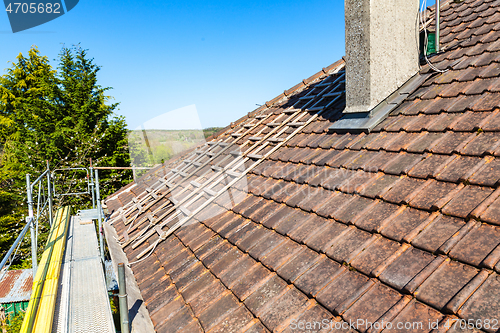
{"points": [[70, 272]]}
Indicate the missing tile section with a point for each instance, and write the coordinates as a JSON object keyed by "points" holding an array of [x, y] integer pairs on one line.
{"points": [[366, 121]]}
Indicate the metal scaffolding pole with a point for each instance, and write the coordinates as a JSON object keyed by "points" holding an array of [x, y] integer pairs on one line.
{"points": [[99, 208], [92, 185], [32, 227], [49, 191]]}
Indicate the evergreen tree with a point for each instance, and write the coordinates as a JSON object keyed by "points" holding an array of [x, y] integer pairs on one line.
{"points": [[62, 116], [27, 101], [88, 127]]}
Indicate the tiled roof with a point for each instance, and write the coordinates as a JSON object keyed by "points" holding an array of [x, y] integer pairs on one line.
{"points": [[284, 222]]}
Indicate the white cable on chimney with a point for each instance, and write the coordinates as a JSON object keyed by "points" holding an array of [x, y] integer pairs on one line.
{"points": [[422, 14], [438, 20]]}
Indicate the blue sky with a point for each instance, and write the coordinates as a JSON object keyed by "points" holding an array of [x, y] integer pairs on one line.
{"points": [[223, 56]]}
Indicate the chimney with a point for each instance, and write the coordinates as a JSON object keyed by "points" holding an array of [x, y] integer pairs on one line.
{"points": [[381, 50]]}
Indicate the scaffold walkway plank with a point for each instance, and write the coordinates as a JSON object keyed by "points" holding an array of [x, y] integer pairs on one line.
{"points": [[84, 305]]}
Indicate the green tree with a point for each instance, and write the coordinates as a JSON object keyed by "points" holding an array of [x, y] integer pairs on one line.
{"points": [[89, 127], [15, 323], [27, 101], [58, 115]]}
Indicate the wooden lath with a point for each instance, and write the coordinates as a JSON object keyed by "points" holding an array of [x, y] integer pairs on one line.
{"points": [[201, 188]]}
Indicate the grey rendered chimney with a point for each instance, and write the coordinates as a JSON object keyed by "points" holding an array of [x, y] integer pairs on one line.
{"points": [[381, 50]]}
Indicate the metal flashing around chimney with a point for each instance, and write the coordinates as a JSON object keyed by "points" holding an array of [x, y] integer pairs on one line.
{"points": [[366, 121]]}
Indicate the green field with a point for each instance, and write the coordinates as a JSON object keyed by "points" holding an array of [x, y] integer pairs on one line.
{"points": [[150, 147]]}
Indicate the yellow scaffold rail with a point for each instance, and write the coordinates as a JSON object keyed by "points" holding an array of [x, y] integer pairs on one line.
{"points": [[40, 312]]}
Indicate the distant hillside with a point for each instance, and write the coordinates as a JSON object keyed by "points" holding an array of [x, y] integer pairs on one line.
{"points": [[150, 147], [211, 131]]}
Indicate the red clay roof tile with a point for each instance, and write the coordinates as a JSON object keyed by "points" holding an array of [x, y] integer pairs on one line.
{"points": [[405, 267], [178, 321], [425, 143], [488, 102], [336, 178], [371, 306], [465, 102], [402, 224], [318, 276], [343, 158], [344, 141], [230, 257], [491, 214], [483, 143], [292, 221], [256, 277], [286, 192], [298, 265], [429, 197], [477, 244], [260, 213], [488, 174], [218, 311], [281, 254], [165, 312], [354, 240], [310, 173], [374, 218], [484, 304], [362, 160], [234, 272], [321, 238], [444, 121], [207, 248], [402, 123], [326, 156], [275, 190], [430, 166], [315, 318], [380, 161], [158, 295], [403, 141], [257, 327], [466, 200], [363, 140], [284, 308], [264, 295], [238, 320], [404, 190], [492, 70], [459, 169], [353, 210], [268, 241], [348, 284], [313, 223], [374, 255], [444, 283], [315, 199], [415, 317], [403, 163], [451, 142], [437, 233]]}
